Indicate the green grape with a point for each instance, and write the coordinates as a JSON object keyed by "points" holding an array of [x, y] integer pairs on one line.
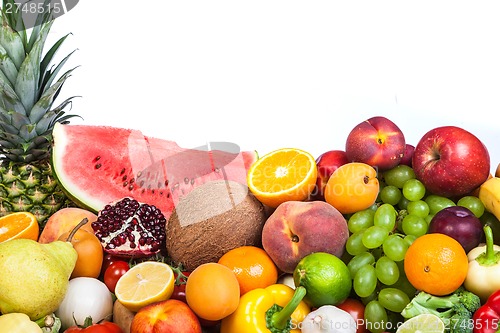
{"points": [[374, 236], [354, 244], [403, 203], [365, 258], [414, 225], [393, 299], [372, 297], [390, 194], [385, 217], [377, 252], [404, 285], [474, 204], [375, 317], [360, 220], [418, 208], [436, 203], [398, 175], [428, 218], [387, 271], [413, 189], [395, 247], [365, 281], [409, 239]]}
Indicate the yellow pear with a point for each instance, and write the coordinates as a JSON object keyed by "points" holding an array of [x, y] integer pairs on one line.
{"points": [[34, 276]]}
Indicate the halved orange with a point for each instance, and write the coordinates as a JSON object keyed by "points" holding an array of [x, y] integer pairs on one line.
{"points": [[145, 283], [282, 175], [18, 225]]}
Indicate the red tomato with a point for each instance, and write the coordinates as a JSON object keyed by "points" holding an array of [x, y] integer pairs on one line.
{"points": [[357, 310], [114, 272], [101, 327], [180, 287], [107, 260]]}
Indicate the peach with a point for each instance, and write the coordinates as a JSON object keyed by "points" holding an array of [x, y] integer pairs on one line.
{"points": [[166, 316], [378, 142], [327, 163], [64, 220], [298, 228]]}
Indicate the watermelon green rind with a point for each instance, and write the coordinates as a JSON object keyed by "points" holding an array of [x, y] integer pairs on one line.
{"points": [[97, 165]]}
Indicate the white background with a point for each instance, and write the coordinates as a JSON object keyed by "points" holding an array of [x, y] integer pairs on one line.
{"points": [[271, 74]]}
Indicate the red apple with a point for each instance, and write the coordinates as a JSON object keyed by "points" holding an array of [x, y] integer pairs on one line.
{"points": [[327, 163], [451, 161], [298, 228], [378, 142], [408, 155], [169, 316], [459, 223]]}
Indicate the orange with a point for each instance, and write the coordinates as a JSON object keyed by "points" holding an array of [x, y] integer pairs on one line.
{"points": [[18, 225], [90, 253], [283, 175], [253, 267], [212, 291], [436, 263], [352, 187]]}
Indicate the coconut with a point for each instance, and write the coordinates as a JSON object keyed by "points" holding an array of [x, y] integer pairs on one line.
{"points": [[212, 219]]}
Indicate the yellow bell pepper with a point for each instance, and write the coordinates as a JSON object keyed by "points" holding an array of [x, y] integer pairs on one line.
{"points": [[274, 309], [484, 268]]}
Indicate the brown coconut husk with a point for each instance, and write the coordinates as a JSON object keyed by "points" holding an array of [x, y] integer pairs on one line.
{"points": [[211, 220]]}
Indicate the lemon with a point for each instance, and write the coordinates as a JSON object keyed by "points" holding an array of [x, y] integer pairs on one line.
{"points": [[326, 278], [145, 283], [422, 323]]}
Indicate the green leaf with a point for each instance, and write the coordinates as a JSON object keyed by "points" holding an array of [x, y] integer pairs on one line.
{"points": [[7, 67], [42, 18], [50, 76], [9, 100], [45, 102], [29, 74], [47, 59], [12, 42]]}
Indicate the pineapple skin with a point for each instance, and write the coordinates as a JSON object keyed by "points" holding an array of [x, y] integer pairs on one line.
{"points": [[31, 187]]}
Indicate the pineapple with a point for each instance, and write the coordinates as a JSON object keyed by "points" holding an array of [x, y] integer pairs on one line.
{"points": [[29, 85]]}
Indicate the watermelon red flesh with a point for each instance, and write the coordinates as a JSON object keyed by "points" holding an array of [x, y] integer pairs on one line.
{"points": [[97, 165]]}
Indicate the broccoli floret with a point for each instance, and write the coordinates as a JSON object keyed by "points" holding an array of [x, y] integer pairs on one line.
{"points": [[455, 310]]}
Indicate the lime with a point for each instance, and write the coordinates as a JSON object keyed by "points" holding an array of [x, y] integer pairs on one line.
{"points": [[326, 278], [422, 323]]}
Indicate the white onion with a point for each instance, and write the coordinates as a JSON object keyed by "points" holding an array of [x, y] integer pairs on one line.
{"points": [[85, 297]]}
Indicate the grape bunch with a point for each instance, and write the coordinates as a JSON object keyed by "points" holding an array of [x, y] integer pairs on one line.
{"points": [[379, 238]]}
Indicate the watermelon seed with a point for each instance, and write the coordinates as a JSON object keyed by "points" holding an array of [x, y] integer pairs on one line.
{"points": [[98, 165]]}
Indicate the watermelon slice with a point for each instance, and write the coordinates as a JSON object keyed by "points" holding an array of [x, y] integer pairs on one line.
{"points": [[97, 165]]}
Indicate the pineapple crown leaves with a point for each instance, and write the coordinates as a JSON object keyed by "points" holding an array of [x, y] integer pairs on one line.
{"points": [[29, 85]]}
